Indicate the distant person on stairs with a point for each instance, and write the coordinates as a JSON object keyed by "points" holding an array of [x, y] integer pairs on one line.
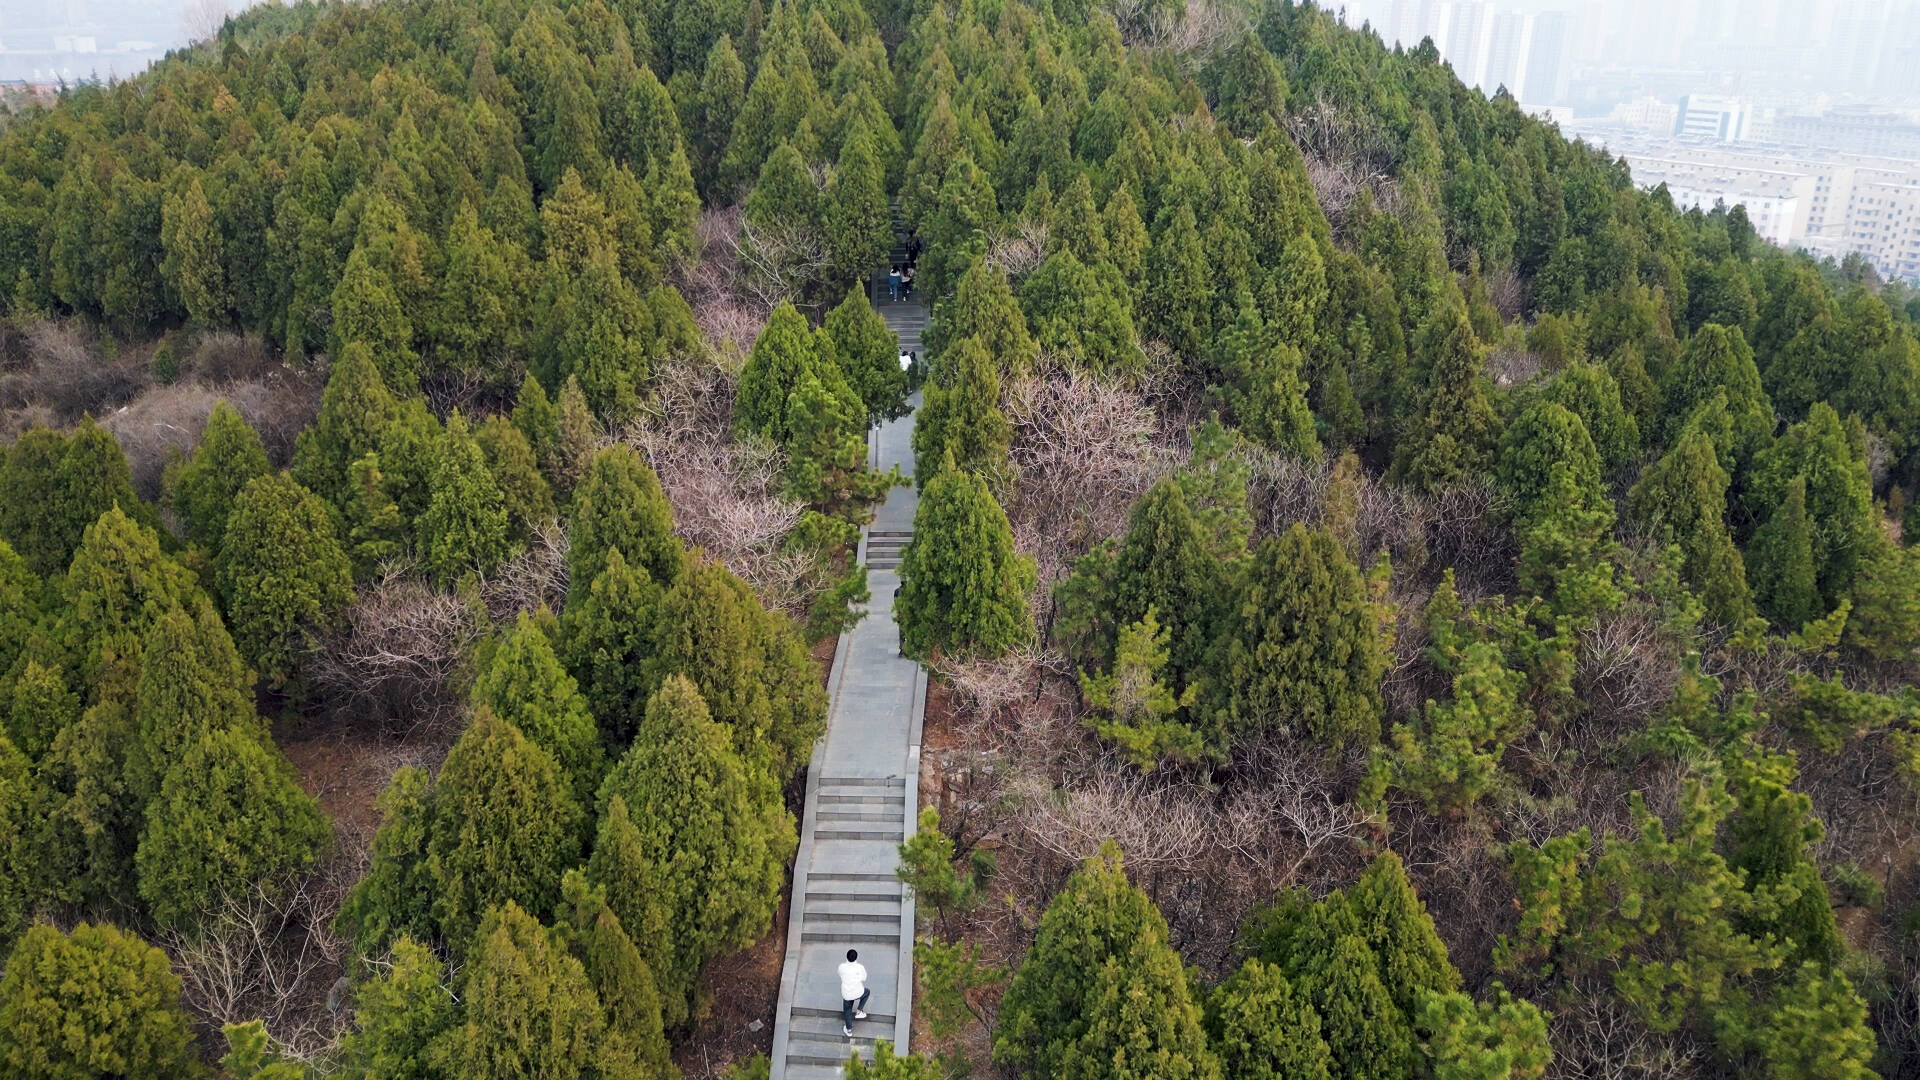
{"points": [[906, 282], [893, 283], [853, 992]]}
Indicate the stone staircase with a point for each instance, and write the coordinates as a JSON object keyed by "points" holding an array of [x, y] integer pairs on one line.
{"points": [[885, 548]]}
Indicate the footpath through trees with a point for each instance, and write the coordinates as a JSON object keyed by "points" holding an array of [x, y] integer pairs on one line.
{"points": [[862, 791]]}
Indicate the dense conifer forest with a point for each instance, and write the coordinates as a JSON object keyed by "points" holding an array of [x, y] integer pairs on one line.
{"points": [[1403, 601]]}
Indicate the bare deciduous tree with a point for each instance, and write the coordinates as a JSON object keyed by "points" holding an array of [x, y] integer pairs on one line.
{"points": [[401, 656]]}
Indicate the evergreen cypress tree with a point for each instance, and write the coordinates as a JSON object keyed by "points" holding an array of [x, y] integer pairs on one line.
{"points": [[98, 1002], [119, 584], [523, 683], [827, 450], [539, 422], [608, 637], [355, 409], [579, 435], [858, 217], [529, 501], [867, 354], [27, 495], [1127, 240], [392, 902], [782, 353], [1178, 290], [397, 1015], [1102, 993], [961, 415], [21, 804], [367, 311], [229, 816], [1264, 384], [1397, 928], [1166, 565], [983, 307], [464, 528], [281, 570], [715, 834], [1885, 622], [478, 321], [1591, 393], [1682, 499], [21, 596], [1453, 436], [1780, 563], [530, 1009], [191, 684], [1839, 497], [1717, 358], [619, 975], [1300, 650], [1543, 436], [964, 588], [601, 332], [42, 708], [619, 505], [505, 827], [956, 227], [1075, 223], [1263, 1028], [203, 491]]}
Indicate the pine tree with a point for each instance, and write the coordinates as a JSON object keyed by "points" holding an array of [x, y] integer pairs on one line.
{"points": [[522, 681], [1102, 993], [505, 827], [1140, 706], [355, 409], [464, 528], [1452, 757], [367, 311], [396, 1016], [1505, 1039], [281, 571], [1767, 837], [964, 587], [867, 354], [1300, 649], [620, 977], [620, 505], [203, 491], [715, 835], [530, 1010], [1819, 1029], [961, 415], [1263, 1028], [1780, 563], [782, 353], [98, 1002], [228, 817], [1682, 500]]}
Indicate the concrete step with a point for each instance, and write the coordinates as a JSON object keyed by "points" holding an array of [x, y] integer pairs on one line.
{"points": [[821, 1059], [854, 880], [851, 929], [861, 800], [852, 919], [817, 897], [892, 835], [870, 907], [862, 782], [868, 816], [814, 1072]]}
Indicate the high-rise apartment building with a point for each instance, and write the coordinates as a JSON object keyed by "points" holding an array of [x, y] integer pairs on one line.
{"points": [[1468, 34], [1509, 41], [1547, 67]]}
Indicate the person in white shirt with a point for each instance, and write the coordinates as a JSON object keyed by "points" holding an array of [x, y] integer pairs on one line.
{"points": [[853, 991]]}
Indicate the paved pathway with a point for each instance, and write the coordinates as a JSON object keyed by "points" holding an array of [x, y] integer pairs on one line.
{"points": [[862, 788]]}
